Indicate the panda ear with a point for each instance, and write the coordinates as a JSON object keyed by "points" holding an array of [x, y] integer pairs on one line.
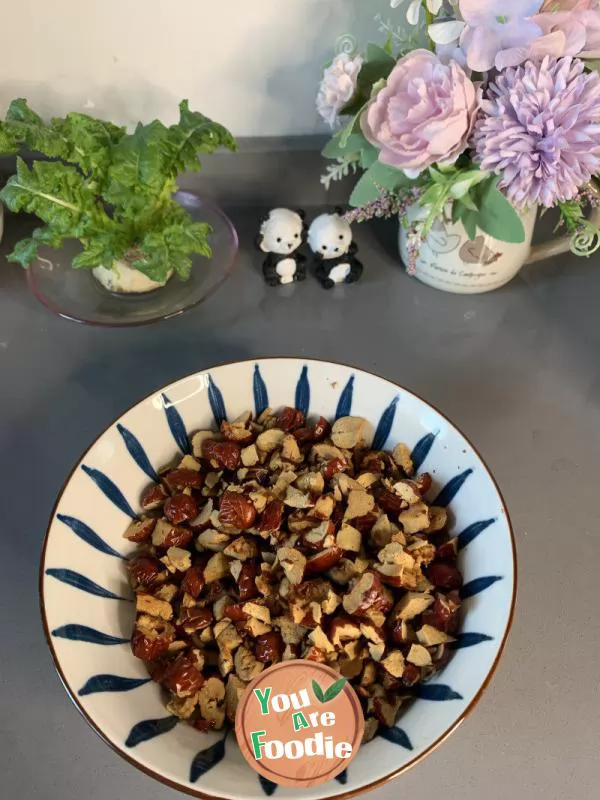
{"points": [[301, 213], [339, 210]]}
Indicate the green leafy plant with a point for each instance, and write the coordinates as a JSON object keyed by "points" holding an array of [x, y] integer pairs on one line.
{"points": [[331, 692], [110, 189]]}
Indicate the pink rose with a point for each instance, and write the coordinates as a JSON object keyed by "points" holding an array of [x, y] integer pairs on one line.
{"points": [[568, 5], [569, 28], [424, 115]]}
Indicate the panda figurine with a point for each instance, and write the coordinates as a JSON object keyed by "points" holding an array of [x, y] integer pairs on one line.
{"points": [[281, 234], [330, 239]]}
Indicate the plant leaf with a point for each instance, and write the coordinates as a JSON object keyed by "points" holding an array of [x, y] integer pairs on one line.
{"points": [[318, 692], [378, 176], [354, 144], [469, 220], [497, 217], [334, 689]]}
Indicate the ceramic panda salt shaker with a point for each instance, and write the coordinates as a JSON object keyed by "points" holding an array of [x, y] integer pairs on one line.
{"points": [[281, 234], [330, 239]]}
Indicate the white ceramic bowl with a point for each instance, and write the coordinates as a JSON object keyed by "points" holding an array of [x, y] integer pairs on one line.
{"points": [[86, 601]]}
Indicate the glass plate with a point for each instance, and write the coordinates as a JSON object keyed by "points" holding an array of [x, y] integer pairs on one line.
{"points": [[76, 295]]}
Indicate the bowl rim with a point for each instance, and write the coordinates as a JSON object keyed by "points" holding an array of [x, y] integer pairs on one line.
{"points": [[344, 795]]}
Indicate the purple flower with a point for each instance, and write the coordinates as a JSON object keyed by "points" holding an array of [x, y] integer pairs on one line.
{"points": [[495, 26], [540, 130], [424, 115]]}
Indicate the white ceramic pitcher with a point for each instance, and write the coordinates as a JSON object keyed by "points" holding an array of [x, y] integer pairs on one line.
{"points": [[450, 261]]}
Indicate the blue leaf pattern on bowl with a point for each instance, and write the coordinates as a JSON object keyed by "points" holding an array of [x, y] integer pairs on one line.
{"points": [[451, 489], [435, 691], [137, 452], [146, 730], [72, 578], [176, 425], [150, 729], [478, 585], [470, 640], [111, 683], [344, 406], [473, 531], [396, 736], [267, 786], [215, 398], [259, 389], [109, 490], [84, 532], [207, 759], [421, 450], [385, 425], [81, 633], [302, 400]]}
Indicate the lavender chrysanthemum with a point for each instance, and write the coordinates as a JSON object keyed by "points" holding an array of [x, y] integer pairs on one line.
{"points": [[540, 130]]}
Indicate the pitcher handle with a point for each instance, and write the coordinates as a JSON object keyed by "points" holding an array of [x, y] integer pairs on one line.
{"points": [[584, 243]]}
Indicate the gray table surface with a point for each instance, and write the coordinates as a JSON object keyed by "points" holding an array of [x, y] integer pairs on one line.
{"points": [[518, 370]]}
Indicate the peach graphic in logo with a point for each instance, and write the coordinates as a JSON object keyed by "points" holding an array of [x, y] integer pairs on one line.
{"points": [[299, 723]]}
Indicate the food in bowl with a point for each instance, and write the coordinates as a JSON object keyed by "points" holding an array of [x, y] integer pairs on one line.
{"points": [[278, 540]]}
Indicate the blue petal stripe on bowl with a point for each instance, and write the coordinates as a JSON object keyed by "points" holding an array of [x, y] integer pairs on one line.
{"points": [[421, 450], [470, 640], [137, 452], [342, 777], [435, 691], [267, 786], [215, 398], [451, 489], [385, 425], [302, 398], [150, 729], [111, 683], [344, 406], [478, 585], [396, 736], [207, 759], [176, 425], [259, 389], [78, 581], [81, 633], [84, 532], [109, 490], [473, 531]]}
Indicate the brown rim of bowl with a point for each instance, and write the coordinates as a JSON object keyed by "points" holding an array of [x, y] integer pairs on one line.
{"points": [[342, 795]]}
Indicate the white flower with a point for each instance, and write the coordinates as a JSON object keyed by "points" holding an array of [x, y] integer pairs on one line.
{"points": [[338, 86], [412, 12]]}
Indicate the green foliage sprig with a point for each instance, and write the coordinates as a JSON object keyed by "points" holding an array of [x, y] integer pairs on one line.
{"points": [[110, 189]]}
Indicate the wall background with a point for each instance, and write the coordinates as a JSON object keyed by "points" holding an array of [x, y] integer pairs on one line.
{"points": [[252, 64]]}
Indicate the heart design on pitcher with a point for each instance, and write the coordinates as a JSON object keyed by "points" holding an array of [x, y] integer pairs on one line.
{"points": [[441, 243], [477, 252]]}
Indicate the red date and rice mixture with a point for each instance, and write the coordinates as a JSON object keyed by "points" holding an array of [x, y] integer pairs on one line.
{"points": [[278, 540]]}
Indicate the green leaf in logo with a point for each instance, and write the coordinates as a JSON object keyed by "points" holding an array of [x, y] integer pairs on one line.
{"points": [[318, 692], [334, 689]]}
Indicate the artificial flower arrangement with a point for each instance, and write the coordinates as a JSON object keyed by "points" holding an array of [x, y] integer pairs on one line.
{"points": [[110, 189], [488, 109]]}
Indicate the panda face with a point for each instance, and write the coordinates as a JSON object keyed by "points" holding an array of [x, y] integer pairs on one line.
{"points": [[329, 236], [282, 232]]}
